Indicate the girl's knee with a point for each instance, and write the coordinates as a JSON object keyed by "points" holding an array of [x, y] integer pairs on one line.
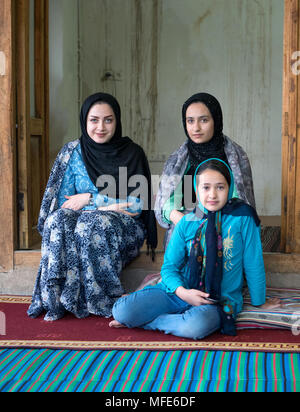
{"points": [[123, 312], [191, 330], [199, 324], [140, 307], [119, 310], [200, 332]]}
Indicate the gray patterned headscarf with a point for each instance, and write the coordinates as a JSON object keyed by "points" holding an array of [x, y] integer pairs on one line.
{"points": [[176, 165]]}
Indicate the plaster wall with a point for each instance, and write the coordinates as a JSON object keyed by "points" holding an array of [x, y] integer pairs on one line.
{"points": [[153, 54]]}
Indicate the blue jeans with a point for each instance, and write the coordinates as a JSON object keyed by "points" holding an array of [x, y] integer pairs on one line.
{"points": [[153, 308]]}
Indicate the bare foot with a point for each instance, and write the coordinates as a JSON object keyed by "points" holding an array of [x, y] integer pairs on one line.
{"points": [[272, 304], [115, 324]]}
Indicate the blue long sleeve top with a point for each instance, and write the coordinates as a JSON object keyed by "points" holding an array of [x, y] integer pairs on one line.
{"points": [[242, 254], [76, 180]]}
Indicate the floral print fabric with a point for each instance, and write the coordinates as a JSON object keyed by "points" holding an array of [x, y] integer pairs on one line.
{"points": [[83, 252]]}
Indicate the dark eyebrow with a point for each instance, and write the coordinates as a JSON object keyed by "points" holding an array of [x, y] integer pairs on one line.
{"points": [[208, 183], [97, 117], [199, 117]]}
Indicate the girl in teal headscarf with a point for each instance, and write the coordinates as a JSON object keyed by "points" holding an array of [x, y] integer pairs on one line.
{"points": [[204, 265]]}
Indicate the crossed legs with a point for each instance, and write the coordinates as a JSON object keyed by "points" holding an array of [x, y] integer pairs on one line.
{"points": [[154, 309]]}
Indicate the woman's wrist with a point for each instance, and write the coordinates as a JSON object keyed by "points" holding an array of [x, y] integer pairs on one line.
{"points": [[181, 292], [103, 208]]}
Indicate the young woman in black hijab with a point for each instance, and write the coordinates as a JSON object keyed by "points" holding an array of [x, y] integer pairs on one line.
{"points": [[209, 111], [203, 125], [88, 237]]}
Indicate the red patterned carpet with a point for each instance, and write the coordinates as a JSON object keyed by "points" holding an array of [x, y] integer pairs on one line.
{"points": [[18, 330]]}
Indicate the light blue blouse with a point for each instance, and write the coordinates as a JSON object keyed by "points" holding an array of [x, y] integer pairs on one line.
{"points": [[76, 180]]}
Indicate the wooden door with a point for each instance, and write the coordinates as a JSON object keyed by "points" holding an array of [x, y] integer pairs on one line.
{"points": [[7, 136], [290, 209], [32, 115]]}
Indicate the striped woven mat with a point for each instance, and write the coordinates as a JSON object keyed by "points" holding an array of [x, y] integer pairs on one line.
{"points": [[48, 370]]}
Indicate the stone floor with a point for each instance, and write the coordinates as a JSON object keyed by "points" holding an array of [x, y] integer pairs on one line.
{"points": [[21, 281]]}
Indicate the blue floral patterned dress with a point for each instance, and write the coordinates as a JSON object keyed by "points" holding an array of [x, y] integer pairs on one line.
{"points": [[83, 252]]}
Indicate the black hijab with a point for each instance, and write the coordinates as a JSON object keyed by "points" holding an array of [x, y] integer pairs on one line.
{"points": [[199, 152], [106, 158]]}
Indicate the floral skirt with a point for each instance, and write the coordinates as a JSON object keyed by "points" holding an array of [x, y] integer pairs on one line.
{"points": [[83, 254]]}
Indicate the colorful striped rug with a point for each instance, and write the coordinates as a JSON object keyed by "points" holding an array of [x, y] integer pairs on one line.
{"points": [[92, 333], [48, 370]]}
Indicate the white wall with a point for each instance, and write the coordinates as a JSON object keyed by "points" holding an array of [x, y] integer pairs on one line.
{"points": [[158, 53], [63, 74], [232, 49]]}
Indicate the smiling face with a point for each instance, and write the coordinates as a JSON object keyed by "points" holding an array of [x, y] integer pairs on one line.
{"points": [[101, 123], [199, 123], [212, 190]]}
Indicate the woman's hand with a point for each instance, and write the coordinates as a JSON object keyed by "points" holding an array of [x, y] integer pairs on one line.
{"points": [[76, 202], [118, 207], [193, 296], [175, 216]]}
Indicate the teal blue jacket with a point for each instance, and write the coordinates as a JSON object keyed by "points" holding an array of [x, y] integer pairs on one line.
{"points": [[242, 255]]}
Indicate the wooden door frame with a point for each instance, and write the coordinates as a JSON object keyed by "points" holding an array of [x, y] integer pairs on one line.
{"points": [[290, 242], [7, 137], [290, 206], [8, 110], [32, 117]]}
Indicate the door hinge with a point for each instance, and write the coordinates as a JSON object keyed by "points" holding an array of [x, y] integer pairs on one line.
{"points": [[21, 201]]}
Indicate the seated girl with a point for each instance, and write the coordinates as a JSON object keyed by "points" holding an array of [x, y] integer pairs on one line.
{"points": [[204, 265], [88, 237]]}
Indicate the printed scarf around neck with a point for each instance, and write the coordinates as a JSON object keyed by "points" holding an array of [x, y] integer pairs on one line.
{"points": [[206, 258]]}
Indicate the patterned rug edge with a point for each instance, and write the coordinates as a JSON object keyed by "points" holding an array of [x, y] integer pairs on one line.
{"points": [[139, 345]]}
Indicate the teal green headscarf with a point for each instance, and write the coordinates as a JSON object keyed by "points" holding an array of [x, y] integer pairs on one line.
{"points": [[206, 257]]}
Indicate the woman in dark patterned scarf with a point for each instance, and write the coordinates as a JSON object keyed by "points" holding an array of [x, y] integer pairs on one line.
{"points": [[88, 237], [203, 124]]}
